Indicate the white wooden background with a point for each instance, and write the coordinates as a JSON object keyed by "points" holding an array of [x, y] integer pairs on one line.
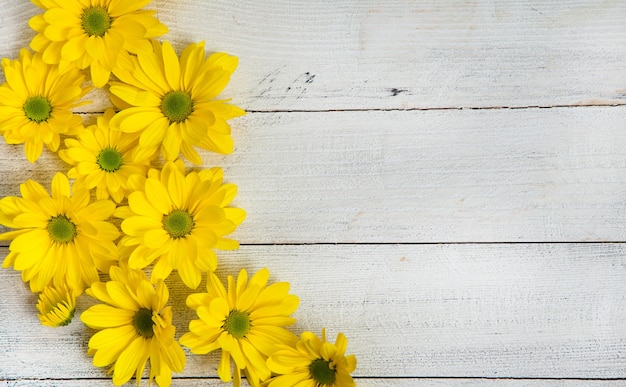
{"points": [[444, 181]]}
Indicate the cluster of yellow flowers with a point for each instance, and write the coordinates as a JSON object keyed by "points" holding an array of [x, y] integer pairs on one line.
{"points": [[65, 243]]}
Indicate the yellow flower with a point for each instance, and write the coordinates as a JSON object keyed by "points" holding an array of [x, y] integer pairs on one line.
{"points": [[246, 322], [56, 306], [135, 326], [36, 103], [105, 159], [172, 102], [61, 239], [178, 219], [92, 33], [313, 363]]}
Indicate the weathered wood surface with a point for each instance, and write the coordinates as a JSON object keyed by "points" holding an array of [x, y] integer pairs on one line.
{"points": [[417, 176], [424, 137], [348, 54], [374, 382], [479, 310]]}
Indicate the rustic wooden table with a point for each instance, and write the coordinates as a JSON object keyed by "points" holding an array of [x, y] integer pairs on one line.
{"points": [[443, 181]]}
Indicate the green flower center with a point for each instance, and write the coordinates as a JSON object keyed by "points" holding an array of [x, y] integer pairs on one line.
{"points": [[109, 160], [177, 106], [61, 229], [37, 109], [96, 21], [237, 324], [143, 322], [322, 372], [178, 223], [69, 318]]}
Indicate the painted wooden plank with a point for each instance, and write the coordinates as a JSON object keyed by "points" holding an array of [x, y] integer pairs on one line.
{"points": [[416, 176], [312, 55], [361, 382], [475, 310]]}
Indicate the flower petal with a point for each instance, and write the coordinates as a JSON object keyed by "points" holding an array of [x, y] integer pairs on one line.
{"points": [[172, 66], [102, 316], [129, 360], [109, 343], [158, 196]]}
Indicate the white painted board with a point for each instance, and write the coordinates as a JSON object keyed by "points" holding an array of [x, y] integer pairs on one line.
{"points": [[440, 310]]}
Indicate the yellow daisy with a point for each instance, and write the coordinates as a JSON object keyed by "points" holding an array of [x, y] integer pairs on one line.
{"points": [[36, 103], [105, 159], [178, 220], [93, 33], [135, 326], [246, 322], [56, 306], [172, 102], [60, 239], [313, 363]]}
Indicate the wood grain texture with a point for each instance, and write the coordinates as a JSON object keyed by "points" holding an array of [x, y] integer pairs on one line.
{"points": [[511, 310], [407, 54], [415, 134], [361, 382], [416, 176], [349, 54]]}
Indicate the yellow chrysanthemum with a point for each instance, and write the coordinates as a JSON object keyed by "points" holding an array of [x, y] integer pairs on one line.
{"points": [[135, 326], [313, 363], [36, 103], [56, 306], [178, 220], [61, 239], [93, 33], [172, 102], [246, 322], [105, 159]]}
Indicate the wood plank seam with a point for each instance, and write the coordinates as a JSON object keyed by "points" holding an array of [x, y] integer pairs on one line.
{"points": [[417, 109]]}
